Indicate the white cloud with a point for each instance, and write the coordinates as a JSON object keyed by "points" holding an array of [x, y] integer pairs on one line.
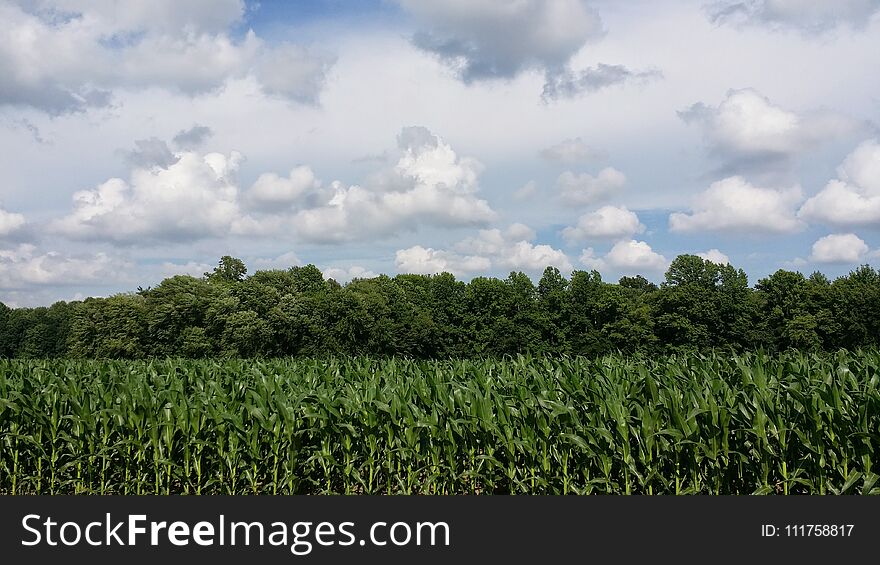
{"points": [[584, 189], [626, 256], [715, 256], [485, 39], [109, 17], [735, 205], [510, 249], [529, 257], [591, 260], [571, 151], [608, 222], [747, 130], [805, 15], [191, 268], [862, 167], [346, 275], [490, 39], [426, 261], [66, 56], [36, 62], [430, 184], [195, 197], [494, 241], [189, 63], [24, 266], [10, 222], [635, 255], [271, 191], [854, 198], [839, 248], [283, 261]]}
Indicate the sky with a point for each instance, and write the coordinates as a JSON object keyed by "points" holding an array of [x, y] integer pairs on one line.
{"points": [[143, 139]]}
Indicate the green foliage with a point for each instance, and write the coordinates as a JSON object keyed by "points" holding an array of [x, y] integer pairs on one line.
{"points": [[681, 424], [228, 270], [700, 306], [114, 327]]}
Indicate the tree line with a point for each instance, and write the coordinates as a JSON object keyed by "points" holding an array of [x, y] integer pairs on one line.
{"points": [[296, 312]]}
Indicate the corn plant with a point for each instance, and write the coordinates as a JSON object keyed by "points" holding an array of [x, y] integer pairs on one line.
{"points": [[682, 424]]}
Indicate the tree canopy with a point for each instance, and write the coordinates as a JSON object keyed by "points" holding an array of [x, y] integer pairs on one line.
{"points": [[296, 312]]}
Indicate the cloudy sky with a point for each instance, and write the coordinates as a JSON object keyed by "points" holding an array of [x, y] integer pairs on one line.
{"points": [[139, 139]]}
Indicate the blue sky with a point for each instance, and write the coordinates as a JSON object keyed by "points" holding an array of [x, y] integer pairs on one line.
{"points": [[278, 20], [144, 139]]}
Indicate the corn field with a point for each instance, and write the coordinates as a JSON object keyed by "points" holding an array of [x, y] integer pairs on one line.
{"points": [[681, 424]]}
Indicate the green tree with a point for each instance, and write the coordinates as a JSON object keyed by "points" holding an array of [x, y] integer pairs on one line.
{"points": [[174, 308], [114, 327], [703, 304], [228, 270], [853, 303], [447, 309], [584, 327], [5, 343], [245, 334], [552, 315]]}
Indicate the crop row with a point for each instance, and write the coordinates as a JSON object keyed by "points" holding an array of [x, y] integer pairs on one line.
{"points": [[713, 423]]}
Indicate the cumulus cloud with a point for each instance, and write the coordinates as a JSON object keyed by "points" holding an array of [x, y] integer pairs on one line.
{"points": [[715, 256], [839, 248], [25, 266], [489, 39], [191, 268], [271, 191], [193, 137], [532, 258], [492, 249], [747, 131], [191, 64], [193, 198], [584, 189], [809, 16], [283, 261], [626, 256], [430, 184], [10, 222], [569, 84], [196, 196], [346, 275], [64, 56], [608, 222], [734, 205], [853, 199], [493, 241], [484, 39], [427, 260], [36, 62], [513, 249], [571, 151]]}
